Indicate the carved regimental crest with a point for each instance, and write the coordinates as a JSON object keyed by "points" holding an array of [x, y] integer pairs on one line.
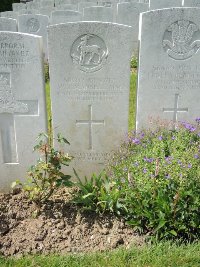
{"points": [[8, 104], [33, 25], [182, 40], [89, 52]]}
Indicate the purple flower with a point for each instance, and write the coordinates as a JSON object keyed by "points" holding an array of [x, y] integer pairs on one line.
{"points": [[189, 166], [135, 141], [189, 126], [150, 160], [144, 170], [179, 162], [136, 164], [197, 120], [196, 156], [173, 137], [160, 138]]}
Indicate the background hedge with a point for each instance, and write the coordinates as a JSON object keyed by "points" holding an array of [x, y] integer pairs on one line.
{"points": [[6, 5]]}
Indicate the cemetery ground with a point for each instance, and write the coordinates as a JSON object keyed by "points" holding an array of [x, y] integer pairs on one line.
{"points": [[63, 228]]}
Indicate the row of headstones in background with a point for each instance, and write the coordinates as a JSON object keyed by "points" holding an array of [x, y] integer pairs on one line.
{"points": [[90, 76], [127, 13]]}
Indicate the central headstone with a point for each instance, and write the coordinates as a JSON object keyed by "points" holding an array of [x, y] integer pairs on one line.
{"points": [[90, 77], [169, 71]]}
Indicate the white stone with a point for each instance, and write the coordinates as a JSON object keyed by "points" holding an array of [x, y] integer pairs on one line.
{"points": [[63, 16], [22, 105], [47, 3], [192, 3], [62, 2], [28, 11], [169, 70], [32, 5], [9, 14], [7, 24], [17, 6], [37, 25], [98, 13], [46, 11], [67, 7], [159, 4], [90, 79], [83, 5], [128, 14]]}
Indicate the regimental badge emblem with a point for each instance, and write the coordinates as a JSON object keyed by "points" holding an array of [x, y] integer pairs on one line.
{"points": [[182, 40], [89, 52], [33, 25]]}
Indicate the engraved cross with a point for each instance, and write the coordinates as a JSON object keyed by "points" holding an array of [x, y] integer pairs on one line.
{"points": [[9, 108], [175, 110], [90, 122]]}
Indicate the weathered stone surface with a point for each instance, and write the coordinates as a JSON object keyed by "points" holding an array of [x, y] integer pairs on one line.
{"points": [[98, 13], [128, 14], [67, 7], [83, 5], [35, 24], [17, 6], [63, 16], [32, 5], [7, 24], [90, 77], [47, 3], [28, 12], [191, 3], [47, 11], [159, 4], [22, 105], [169, 79], [9, 14]]}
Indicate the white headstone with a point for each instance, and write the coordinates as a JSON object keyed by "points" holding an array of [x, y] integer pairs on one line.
{"points": [[62, 2], [98, 13], [67, 7], [83, 5], [47, 3], [28, 11], [191, 3], [128, 14], [32, 5], [64, 16], [168, 80], [90, 77], [9, 14], [37, 25], [46, 11], [7, 24], [17, 6], [159, 4], [22, 105]]}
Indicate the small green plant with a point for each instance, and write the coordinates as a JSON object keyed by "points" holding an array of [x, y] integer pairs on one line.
{"points": [[46, 176], [134, 62], [99, 194]]}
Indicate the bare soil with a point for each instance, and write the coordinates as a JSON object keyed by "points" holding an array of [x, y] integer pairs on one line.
{"points": [[60, 228]]}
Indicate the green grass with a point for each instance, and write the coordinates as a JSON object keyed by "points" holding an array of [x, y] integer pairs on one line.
{"points": [[132, 101], [160, 255]]}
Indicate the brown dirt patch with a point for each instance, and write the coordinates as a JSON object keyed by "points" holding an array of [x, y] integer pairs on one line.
{"points": [[60, 228]]}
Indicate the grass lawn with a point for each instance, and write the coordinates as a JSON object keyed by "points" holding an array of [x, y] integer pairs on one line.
{"points": [[160, 255]]}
